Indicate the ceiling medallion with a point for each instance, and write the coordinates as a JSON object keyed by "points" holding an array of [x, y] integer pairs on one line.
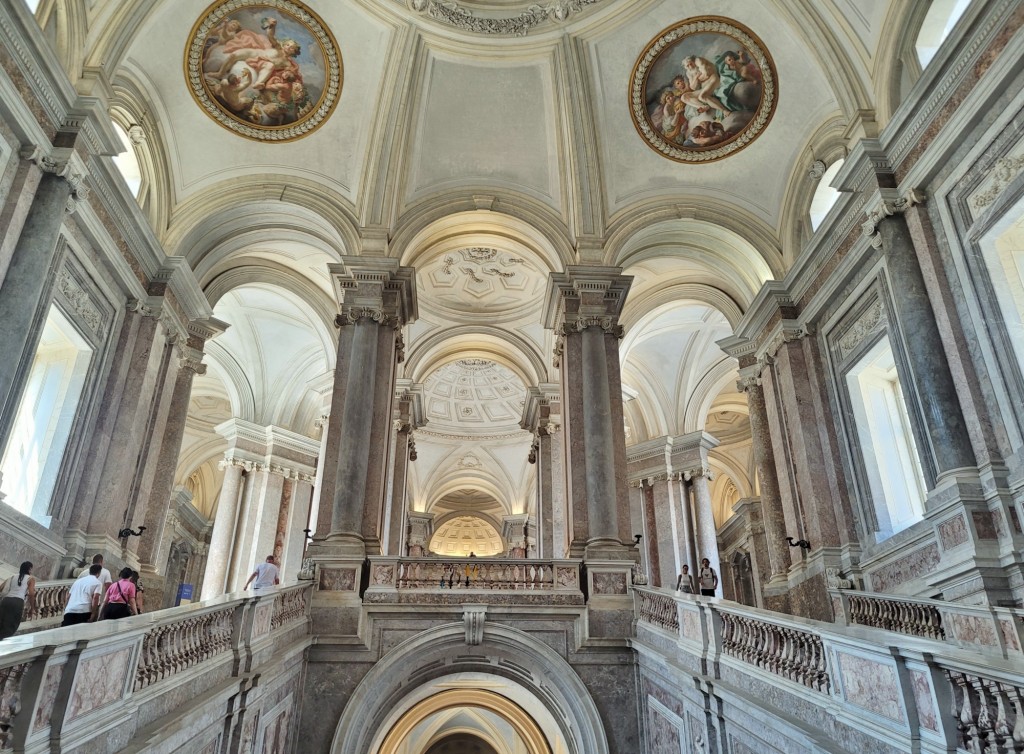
{"points": [[267, 70], [456, 14], [703, 89]]}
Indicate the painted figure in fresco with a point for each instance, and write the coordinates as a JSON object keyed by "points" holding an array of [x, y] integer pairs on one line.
{"points": [[704, 79], [254, 75]]}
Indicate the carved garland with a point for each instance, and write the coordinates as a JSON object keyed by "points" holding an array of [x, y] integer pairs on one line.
{"points": [[454, 14], [870, 321]]}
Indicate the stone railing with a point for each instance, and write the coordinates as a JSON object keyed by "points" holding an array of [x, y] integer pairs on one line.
{"points": [[473, 574], [658, 609], [51, 599], [67, 682], [994, 629], [780, 649], [184, 643], [915, 692]]}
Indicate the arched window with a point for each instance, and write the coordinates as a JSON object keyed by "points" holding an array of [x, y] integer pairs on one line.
{"points": [[938, 23], [128, 162], [825, 196], [33, 5]]}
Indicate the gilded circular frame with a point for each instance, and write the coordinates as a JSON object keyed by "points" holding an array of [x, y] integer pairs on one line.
{"points": [[711, 113], [258, 85]]}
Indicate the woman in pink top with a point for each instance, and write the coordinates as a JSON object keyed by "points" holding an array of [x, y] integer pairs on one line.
{"points": [[119, 601]]}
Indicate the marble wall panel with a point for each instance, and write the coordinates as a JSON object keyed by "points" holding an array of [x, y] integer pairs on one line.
{"points": [[100, 680], [1009, 635], [909, 567], [984, 525], [337, 579], [690, 626], [212, 747], [47, 696], [923, 698], [953, 532], [871, 685], [972, 629], [663, 734], [383, 575], [609, 583], [261, 620]]}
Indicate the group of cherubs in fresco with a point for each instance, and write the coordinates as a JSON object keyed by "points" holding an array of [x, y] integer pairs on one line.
{"points": [[268, 89], [707, 89]]}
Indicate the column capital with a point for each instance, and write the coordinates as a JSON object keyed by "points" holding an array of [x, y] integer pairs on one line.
{"points": [[62, 162], [585, 296], [885, 203], [750, 378], [541, 409], [374, 288]]}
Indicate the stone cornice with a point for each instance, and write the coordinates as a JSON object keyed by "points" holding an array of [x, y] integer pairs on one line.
{"points": [[589, 294], [537, 415], [262, 445], [374, 287]]}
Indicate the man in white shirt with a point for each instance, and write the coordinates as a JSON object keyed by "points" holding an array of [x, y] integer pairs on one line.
{"points": [[266, 576], [84, 599]]}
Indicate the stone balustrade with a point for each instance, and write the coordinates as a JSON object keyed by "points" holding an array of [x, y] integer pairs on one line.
{"points": [[990, 629], [481, 575], [61, 687], [51, 599], [864, 689], [658, 609], [778, 648]]}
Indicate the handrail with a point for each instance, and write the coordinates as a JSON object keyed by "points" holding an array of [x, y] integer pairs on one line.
{"points": [[439, 574]]}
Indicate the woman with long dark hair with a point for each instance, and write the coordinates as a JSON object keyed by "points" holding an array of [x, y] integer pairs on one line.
{"points": [[16, 590], [119, 601]]}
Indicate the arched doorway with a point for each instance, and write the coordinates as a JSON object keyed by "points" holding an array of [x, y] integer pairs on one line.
{"points": [[508, 681]]}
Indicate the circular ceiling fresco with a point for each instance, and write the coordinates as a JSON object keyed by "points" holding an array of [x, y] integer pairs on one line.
{"points": [[703, 89], [269, 70]]}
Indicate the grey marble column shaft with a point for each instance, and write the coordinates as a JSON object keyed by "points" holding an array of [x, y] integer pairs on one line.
{"points": [[545, 497], [356, 424], [597, 437], [931, 385], [28, 277], [706, 534], [686, 520], [772, 513], [396, 525], [223, 533]]}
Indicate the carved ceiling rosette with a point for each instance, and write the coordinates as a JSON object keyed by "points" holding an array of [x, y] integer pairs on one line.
{"points": [[269, 70], [702, 90]]}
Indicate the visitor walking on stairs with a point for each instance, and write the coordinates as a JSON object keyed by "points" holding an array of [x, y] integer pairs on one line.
{"points": [[16, 591]]}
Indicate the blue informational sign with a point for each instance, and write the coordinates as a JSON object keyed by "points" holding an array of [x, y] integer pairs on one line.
{"points": [[184, 594]]}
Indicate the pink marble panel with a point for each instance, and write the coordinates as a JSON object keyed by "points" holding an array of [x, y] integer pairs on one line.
{"points": [[907, 568], [999, 524], [99, 681], [923, 699], [275, 735], [871, 685], [337, 579], [971, 628], [1009, 635], [691, 626], [953, 532], [663, 736], [47, 695], [609, 583], [262, 619], [984, 525], [383, 575], [565, 578]]}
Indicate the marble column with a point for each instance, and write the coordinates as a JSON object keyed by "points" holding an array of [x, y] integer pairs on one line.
{"points": [[155, 498], [30, 272], [377, 298], [772, 513], [421, 530], [223, 528], [408, 416], [583, 307], [318, 483], [541, 416], [706, 532], [930, 386]]}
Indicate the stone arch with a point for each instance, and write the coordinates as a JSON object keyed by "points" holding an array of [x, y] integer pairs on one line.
{"points": [[474, 341], [516, 218], [695, 412], [552, 688]]}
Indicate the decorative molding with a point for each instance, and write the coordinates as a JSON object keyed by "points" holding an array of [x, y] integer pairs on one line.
{"points": [[817, 170], [1005, 170], [701, 471], [884, 205], [351, 315], [79, 301], [474, 617], [64, 163], [452, 13], [868, 323]]}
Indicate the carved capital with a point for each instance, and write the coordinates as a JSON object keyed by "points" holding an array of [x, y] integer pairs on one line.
{"points": [[610, 325], [886, 204], [351, 315], [474, 618], [701, 471]]}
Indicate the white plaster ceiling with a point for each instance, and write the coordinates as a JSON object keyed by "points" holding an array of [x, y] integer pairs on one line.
{"points": [[471, 394], [465, 535]]}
